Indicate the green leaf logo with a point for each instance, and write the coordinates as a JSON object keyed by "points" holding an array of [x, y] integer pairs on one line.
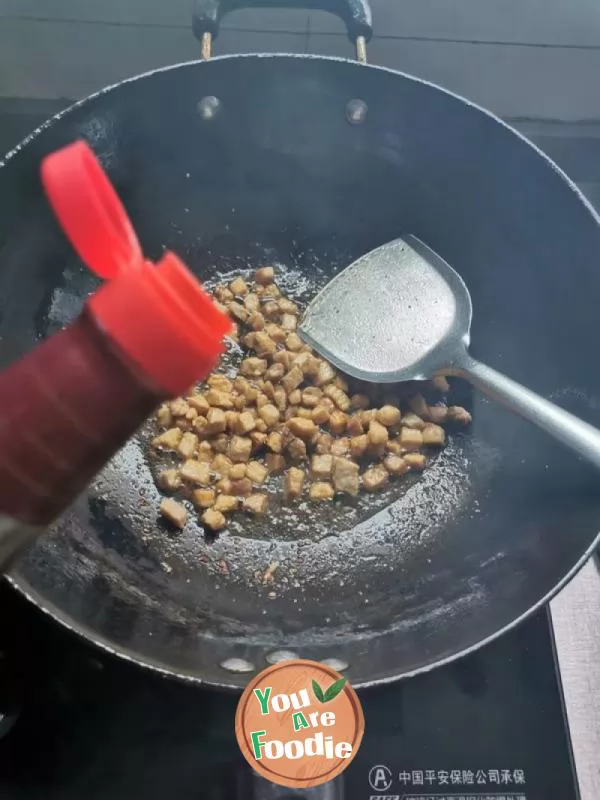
{"points": [[318, 692], [331, 693]]}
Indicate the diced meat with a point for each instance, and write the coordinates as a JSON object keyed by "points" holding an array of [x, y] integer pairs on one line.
{"points": [[204, 498], [416, 461], [256, 504], [460, 415], [216, 421], [196, 472], [389, 416], [226, 503], [169, 440], [411, 439], [395, 465], [213, 520], [264, 276], [434, 435], [174, 512], [187, 446], [240, 448], [321, 491], [302, 428], [321, 466], [169, 480], [293, 483], [345, 476], [375, 479], [256, 471]]}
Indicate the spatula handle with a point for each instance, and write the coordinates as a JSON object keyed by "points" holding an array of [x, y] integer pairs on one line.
{"points": [[579, 436]]}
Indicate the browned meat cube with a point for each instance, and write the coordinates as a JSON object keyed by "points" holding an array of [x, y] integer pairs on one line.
{"points": [[226, 503], [237, 311], [196, 472], [221, 465], [174, 512], [320, 415], [164, 417], [302, 428], [256, 321], [205, 452], [321, 491], [413, 421], [293, 342], [354, 426], [237, 472], [293, 483], [269, 414], [240, 448], [337, 422], [325, 373], [339, 397], [252, 303], [395, 447], [323, 443], [245, 423], [321, 466], [295, 397], [169, 440], [178, 407], [271, 310], [388, 416], [220, 382], [345, 476], [204, 498], [259, 439], [238, 287], [434, 435], [275, 463], [438, 413], [411, 439], [340, 447], [223, 294], [241, 487], [277, 334], [275, 442], [395, 465], [253, 367], [297, 449], [263, 344], [169, 480], [264, 276], [358, 445], [200, 425], [217, 421], [256, 504], [378, 433], [275, 372], [374, 479], [460, 415], [220, 443], [256, 471], [224, 486], [213, 520], [292, 380], [311, 396], [199, 402], [415, 461], [289, 322], [187, 446]]}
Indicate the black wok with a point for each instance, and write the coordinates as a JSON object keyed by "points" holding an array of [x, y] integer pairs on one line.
{"points": [[281, 170]]}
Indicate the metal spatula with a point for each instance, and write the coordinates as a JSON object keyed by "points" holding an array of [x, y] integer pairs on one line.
{"points": [[402, 313]]}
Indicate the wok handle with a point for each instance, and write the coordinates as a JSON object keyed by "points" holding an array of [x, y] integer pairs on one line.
{"points": [[356, 14], [577, 435]]}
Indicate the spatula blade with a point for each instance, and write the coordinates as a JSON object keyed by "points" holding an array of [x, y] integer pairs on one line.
{"points": [[380, 317]]}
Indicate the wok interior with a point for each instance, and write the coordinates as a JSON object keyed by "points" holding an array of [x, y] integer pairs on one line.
{"points": [[280, 177]]}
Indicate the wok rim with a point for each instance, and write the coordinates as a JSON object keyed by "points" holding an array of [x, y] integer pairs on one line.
{"points": [[145, 662]]}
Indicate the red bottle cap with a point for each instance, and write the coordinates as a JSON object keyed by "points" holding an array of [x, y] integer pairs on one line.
{"points": [[159, 316]]}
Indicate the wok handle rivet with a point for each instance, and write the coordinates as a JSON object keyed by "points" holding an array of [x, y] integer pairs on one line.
{"points": [[356, 111], [209, 107]]}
